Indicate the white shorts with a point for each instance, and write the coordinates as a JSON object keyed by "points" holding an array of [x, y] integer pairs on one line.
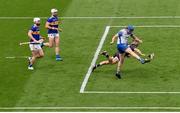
{"points": [[53, 35], [35, 47]]}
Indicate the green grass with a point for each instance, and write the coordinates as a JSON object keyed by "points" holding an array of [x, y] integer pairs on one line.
{"points": [[57, 84], [135, 74]]}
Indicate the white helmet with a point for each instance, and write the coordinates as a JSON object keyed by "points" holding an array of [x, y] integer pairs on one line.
{"points": [[54, 10], [36, 19]]}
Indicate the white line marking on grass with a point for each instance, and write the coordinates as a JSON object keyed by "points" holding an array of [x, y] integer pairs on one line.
{"points": [[114, 92], [94, 59], [90, 108], [14, 57], [103, 17], [19, 18], [129, 92], [125, 17], [153, 26]]}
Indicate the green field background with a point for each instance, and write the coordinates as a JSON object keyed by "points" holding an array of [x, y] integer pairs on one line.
{"points": [[57, 84]]}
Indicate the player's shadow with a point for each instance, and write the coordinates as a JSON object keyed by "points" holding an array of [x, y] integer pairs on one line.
{"points": [[135, 72], [138, 72]]}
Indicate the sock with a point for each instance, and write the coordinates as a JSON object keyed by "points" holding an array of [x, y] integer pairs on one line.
{"points": [[107, 56], [117, 72], [57, 56], [30, 58], [98, 65], [141, 60], [30, 65]]}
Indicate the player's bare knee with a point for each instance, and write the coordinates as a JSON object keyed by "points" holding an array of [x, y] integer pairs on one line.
{"points": [[110, 61], [57, 46], [42, 55], [51, 45]]}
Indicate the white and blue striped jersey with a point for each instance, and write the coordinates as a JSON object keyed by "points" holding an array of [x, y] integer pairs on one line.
{"points": [[123, 36]]}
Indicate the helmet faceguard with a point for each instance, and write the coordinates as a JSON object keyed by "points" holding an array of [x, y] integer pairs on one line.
{"points": [[54, 12]]}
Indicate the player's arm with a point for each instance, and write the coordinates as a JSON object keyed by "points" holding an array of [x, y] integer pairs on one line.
{"points": [[42, 39], [60, 29], [30, 36], [136, 38], [138, 52], [47, 26], [114, 38]]}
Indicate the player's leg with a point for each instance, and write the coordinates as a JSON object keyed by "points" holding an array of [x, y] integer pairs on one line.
{"points": [[100, 64], [105, 53], [32, 60], [120, 64], [138, 51], [128, 50], [115, 60], [122, 61], [40, 53], [51, 41], [35, 54], [47, 44], [121, 48], [57, 49], [150, 56]]}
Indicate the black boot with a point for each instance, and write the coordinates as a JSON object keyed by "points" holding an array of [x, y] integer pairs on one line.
{"points": [[118, 75]]}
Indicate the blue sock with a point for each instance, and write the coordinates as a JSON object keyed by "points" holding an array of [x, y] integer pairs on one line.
{"points": [[141, 60], [30, 65], [57, 56]]}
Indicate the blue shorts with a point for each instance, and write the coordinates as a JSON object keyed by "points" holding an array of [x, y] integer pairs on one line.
{"points": [[122, 47]]}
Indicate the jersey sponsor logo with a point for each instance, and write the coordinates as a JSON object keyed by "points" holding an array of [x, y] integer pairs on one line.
{"points": [[35, 32], [54, 23]]}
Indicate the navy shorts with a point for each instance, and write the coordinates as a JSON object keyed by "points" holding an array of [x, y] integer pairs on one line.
{"points": [[116, 55]]}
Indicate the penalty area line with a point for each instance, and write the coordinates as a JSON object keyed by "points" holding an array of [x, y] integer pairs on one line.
{"points": [[152, 26], [86, 78], [82, 89], [122, 92]]}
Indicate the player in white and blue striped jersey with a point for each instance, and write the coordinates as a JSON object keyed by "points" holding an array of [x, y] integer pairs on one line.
{"points": [[122, 45]]}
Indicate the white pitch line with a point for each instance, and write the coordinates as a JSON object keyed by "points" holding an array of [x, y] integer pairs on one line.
{"points": [[94, 59], [101, 92], [125, 17], [14, 57], [152, 26], [89, 108], [116, 92], [103, 17]]}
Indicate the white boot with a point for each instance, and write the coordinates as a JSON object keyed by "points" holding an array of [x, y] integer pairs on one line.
{"points": [[30, 68]]}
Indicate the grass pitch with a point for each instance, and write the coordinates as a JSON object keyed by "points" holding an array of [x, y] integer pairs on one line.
{"points": [[57, 84]]}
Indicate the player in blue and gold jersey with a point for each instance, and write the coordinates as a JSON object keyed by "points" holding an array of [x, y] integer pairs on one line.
{"points": [[35, 45], [52, 24]]}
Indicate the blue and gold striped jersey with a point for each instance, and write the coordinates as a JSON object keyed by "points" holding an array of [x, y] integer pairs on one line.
{"points": [[54, 22], [35, 32]]}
